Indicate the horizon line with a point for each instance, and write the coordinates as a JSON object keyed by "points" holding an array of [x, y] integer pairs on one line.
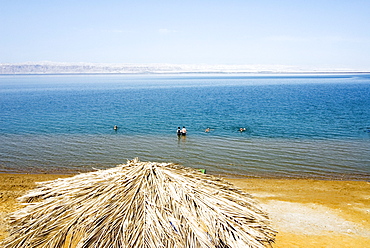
{"points": [[49, 67]]}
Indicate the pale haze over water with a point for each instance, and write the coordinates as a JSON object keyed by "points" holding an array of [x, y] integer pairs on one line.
{"points": [[312, 35], [315, 126]]}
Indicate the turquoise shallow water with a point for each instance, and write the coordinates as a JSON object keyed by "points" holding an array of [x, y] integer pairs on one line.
{"points": [[314, 126]]}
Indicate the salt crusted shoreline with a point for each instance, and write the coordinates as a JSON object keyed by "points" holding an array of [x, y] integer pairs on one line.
{"points": [[306, 213]]}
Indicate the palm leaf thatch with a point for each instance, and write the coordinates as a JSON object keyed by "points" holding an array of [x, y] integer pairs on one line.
{"points": [[139, 204]]}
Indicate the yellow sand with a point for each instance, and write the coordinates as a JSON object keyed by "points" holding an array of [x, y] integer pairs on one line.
{"points": [[306, 213], [313, 213]]}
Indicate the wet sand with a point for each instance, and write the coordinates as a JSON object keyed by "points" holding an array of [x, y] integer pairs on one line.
{"points": [[306, 213]]}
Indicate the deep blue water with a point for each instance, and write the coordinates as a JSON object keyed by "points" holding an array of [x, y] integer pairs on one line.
{"points": [[315, 126]]}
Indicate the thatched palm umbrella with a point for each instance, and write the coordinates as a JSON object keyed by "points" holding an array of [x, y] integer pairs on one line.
{"points": [[139, 204]]}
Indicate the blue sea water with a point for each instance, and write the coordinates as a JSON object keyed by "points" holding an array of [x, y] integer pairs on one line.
{"points": [[312, 126]]}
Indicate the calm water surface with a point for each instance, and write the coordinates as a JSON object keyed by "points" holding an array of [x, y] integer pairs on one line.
{"points": [[314, 126]]}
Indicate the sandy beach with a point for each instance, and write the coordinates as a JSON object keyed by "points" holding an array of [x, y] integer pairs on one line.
{"points": [[306, 213]]}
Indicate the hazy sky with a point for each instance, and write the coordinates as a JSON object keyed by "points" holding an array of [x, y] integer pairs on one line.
{"points": [[308, 33]]}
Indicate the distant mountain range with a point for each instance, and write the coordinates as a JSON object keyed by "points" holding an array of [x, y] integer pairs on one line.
{"points": [[95, 68]]}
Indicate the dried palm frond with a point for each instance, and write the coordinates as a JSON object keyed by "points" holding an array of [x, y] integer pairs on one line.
{"points": [[139, 204]]}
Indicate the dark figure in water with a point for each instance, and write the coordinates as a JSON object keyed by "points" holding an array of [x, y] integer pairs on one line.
{"points": [[115, 128], [178, 131]]}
